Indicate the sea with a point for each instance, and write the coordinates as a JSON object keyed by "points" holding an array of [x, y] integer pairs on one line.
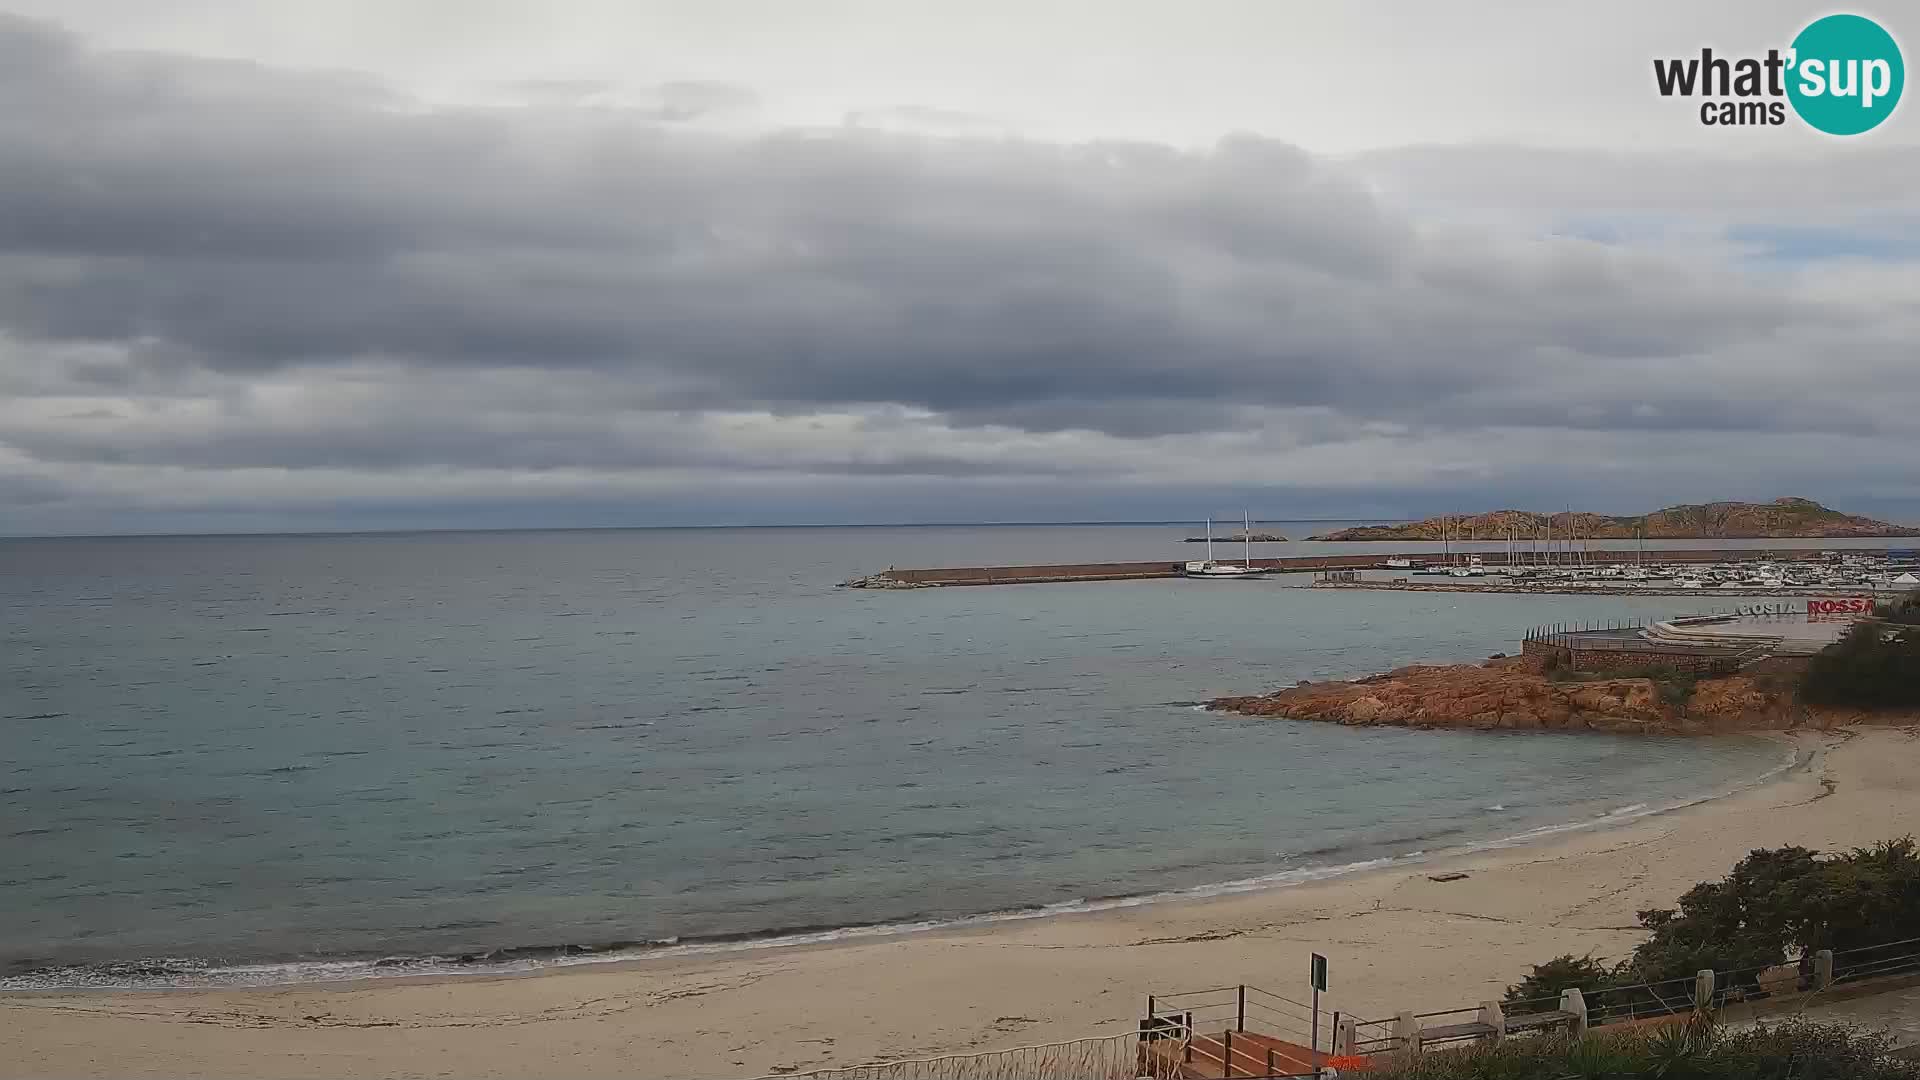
{"points": [[266, 759]]}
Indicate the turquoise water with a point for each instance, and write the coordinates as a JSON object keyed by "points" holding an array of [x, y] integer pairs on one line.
{"points": [[257, 759]]}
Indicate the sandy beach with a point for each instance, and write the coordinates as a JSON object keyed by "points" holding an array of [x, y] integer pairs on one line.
{"points": [[1396, 939]]}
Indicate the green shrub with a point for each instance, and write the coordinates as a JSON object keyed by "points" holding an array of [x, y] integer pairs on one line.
{"points": [[1677, 688], [1905, 610], [1559, 974], [1857, 900], [1776, 905], [1741, 921], [1795, 1050], [1874, 666], [1673, 685]]}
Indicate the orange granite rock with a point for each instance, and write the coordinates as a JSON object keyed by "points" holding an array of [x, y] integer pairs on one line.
{"points": [[1512, 694]]}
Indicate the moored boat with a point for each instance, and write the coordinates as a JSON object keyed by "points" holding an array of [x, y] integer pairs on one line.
{"points": [[1213, 570]]}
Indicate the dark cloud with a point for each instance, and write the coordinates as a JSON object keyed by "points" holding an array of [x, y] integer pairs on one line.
{"points": [[212, 265]]}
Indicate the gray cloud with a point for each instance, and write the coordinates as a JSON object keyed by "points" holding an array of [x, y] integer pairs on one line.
{"points": [[213, 266]]}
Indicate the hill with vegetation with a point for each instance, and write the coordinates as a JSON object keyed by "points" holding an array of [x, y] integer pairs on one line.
{"points": [[1781, 518]]}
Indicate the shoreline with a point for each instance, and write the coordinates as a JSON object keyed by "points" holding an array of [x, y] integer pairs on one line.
{"points": [[540, 960], [1397, 940]]}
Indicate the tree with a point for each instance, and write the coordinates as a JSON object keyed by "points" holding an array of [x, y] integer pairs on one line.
{"points": [[1737, 923], [1775, 904], [1868, 897], [1560, 974], [1874, 666]]}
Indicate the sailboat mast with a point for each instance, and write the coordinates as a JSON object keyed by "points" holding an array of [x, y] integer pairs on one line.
{"points": [[1246, 532], [1209, 539]]}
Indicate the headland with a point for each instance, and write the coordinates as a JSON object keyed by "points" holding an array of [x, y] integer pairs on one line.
{"points": [[1524, 693], [1780, 519]]}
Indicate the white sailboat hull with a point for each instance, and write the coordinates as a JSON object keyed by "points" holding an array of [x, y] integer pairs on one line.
{"points": [[1222, 571]]}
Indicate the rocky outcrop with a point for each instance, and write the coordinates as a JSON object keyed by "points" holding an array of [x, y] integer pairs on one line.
{"points": [[1515, 694], [1788, 517]]}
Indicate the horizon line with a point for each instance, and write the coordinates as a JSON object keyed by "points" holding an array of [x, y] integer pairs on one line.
{"points": [[427, 530]]}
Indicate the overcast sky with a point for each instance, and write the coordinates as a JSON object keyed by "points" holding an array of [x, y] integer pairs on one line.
{"points": [[315, 264]]}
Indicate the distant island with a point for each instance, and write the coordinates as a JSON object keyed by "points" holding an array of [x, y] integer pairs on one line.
{"points": [[1780, 518], [1241, 538]]}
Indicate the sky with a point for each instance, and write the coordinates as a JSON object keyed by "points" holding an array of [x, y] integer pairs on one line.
{"points": [[293, 265]]}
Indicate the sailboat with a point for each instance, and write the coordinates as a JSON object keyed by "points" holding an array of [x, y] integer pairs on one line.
{"points": [[1219, 570]]}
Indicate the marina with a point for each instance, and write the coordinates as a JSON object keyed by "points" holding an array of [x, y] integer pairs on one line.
{"points": [[1727, 571]]}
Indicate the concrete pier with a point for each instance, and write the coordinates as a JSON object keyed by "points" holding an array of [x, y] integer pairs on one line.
{"points": [[1125, 571]]}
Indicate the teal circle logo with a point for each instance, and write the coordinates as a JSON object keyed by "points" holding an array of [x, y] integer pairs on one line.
{"points": [[1846, 74]]}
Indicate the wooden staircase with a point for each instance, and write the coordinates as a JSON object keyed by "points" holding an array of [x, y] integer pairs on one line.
{"points": [[1231, 1054]]}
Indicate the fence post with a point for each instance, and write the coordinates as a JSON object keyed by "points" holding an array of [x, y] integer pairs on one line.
{"points": [[1823, 970], [1492, 1015], [1703, 991], [1226, 1054], [1346, 1034], [1240, 1017], [1574, 1004], [1271, 1070], [1406, 1031]]}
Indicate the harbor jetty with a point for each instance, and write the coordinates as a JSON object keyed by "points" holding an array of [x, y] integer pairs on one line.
{"points": [[1306, 564]]}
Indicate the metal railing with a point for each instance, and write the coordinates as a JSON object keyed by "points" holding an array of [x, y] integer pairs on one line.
{"points": [[1190, 1053], [1374, 1037], [1232, 1031], [1761, 982], [1877, 961], [1239, 1008], [1526, 1007]]}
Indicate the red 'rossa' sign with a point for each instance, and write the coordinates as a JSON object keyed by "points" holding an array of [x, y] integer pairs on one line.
{"points": [[1827, 607]]}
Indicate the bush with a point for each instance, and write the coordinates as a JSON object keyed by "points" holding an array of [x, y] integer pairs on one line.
{"points": [[1775, 905], [1905, 610], [1795, 1050], [1673, 685], [1854, 901], [1561, 973], [1676, 689], [1874, 666], [1739, 922]]}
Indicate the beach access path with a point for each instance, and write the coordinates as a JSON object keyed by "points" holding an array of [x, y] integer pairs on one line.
{"points": [[1396, 940]]}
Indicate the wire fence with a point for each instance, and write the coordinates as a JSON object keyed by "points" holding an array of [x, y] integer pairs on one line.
{"points": [[1877, 961]]}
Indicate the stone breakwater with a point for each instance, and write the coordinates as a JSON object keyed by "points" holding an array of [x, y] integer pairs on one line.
{"points": [[1516, 694]]}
